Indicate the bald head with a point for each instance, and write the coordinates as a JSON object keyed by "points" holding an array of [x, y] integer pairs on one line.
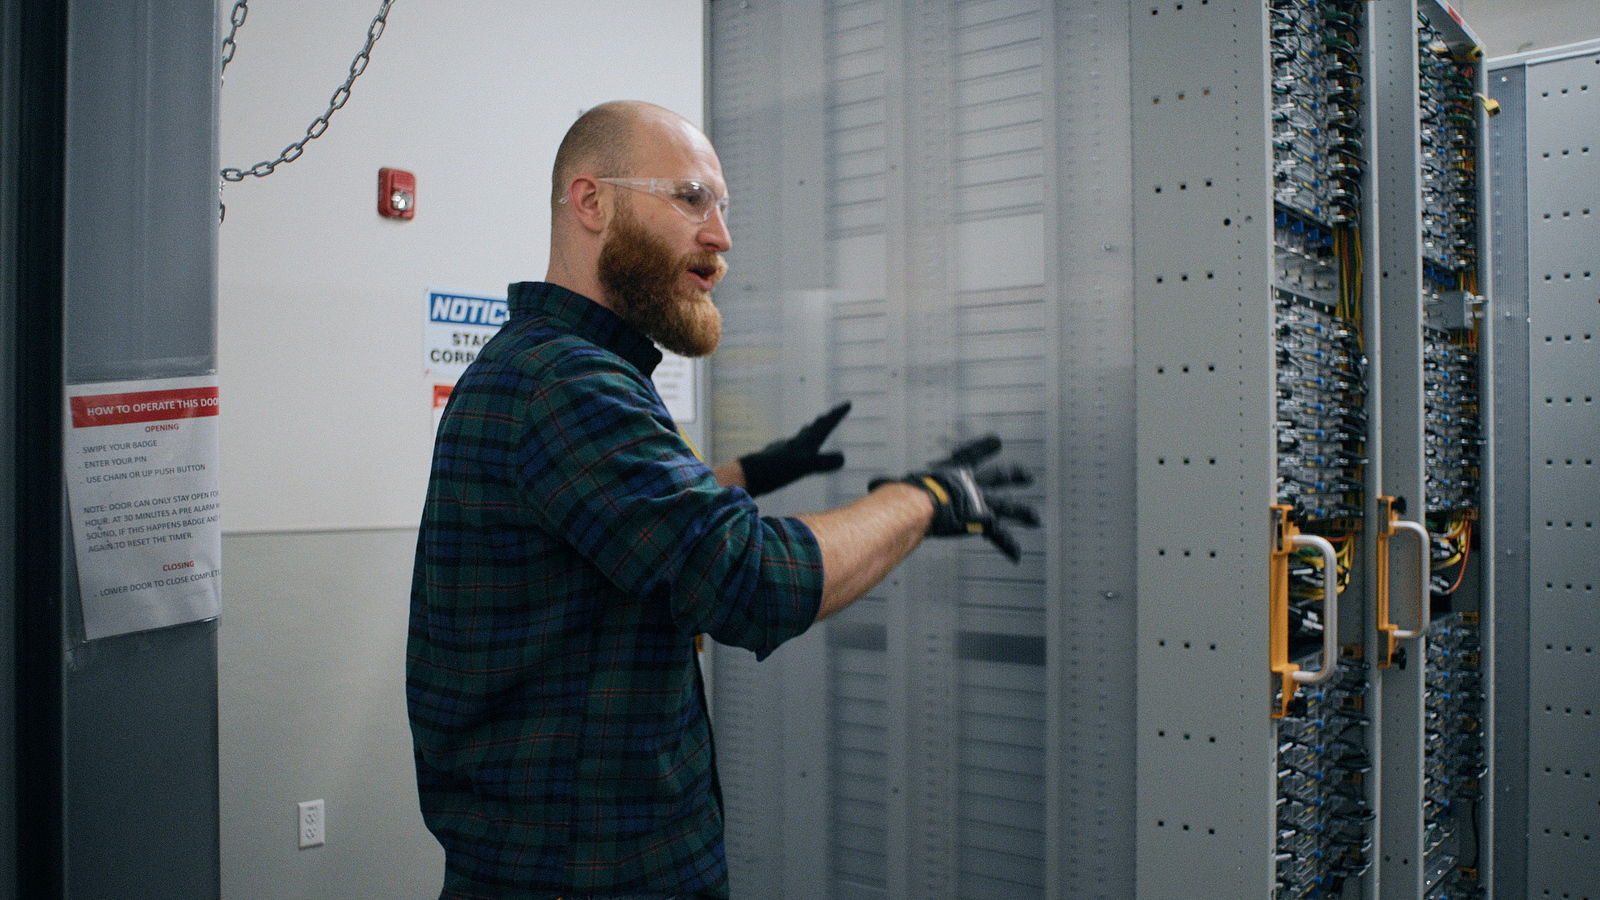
{"points": [[603, 141], [593, 214]]}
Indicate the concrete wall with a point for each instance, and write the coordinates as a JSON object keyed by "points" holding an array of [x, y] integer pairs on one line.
{"points": [[328, 419]]}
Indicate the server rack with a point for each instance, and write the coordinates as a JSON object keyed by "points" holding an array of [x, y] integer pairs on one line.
{"points": [[1368, 419], [1210, 345], [1253, 213], [1434, 701]]}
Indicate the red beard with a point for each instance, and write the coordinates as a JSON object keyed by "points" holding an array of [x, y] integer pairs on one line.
{"points": [[646, 281]]}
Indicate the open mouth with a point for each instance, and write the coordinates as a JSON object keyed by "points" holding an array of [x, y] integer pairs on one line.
{"points": [[706, 275]]}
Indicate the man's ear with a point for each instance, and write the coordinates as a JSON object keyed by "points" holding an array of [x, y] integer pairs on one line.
{"points": [[591, 211]]}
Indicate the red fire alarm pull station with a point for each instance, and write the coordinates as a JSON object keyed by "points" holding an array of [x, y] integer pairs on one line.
{"points": [[397, 193]]}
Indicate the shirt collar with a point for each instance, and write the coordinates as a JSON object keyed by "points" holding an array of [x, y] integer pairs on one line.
{"points": [[585, 318]]}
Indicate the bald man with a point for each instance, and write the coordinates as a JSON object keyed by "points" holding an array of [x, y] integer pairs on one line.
{"points": [[572, 547]]}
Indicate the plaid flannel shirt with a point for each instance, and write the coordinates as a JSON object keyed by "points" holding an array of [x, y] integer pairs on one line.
{"points": [[571, 548]]}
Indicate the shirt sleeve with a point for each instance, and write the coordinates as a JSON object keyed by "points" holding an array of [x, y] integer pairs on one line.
{"points": [[602, 465]]}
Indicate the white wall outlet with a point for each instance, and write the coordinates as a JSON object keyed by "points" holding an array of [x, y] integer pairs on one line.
{"points": [[312, 824]]}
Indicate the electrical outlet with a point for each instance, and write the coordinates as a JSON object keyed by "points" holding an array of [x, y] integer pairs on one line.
{"points": [[312, 824]]}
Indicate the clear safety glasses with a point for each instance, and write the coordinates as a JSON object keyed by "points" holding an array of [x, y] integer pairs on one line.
{"points": [[691, 198]]}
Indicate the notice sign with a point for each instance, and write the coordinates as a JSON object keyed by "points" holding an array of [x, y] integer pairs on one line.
{"points": [[141, 470], [458, 325]]}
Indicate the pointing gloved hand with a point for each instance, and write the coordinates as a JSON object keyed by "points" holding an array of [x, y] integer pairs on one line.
{"points": [[963, 502], [785, 461]]}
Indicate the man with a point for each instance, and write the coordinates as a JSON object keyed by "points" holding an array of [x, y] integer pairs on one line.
{"points": [[572, 547]]}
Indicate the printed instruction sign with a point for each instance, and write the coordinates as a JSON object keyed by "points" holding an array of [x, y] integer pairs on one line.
{"points": [[142, 483]]}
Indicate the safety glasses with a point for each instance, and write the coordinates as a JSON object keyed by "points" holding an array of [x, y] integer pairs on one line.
{"points": [[693, 199]]}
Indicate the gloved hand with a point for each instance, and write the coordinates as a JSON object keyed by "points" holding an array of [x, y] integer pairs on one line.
{"points": [[962, 498], [785, 461]]}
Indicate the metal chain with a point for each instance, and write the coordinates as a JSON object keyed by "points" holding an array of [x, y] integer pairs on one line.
{"points": [[240, 10], [317, 127]]}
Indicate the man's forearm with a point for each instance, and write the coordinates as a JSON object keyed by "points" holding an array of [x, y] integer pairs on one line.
{"points": [[729, 474], [864, 541]]}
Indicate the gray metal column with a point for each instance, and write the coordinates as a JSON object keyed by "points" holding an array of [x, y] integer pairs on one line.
{"points": [[1509, 167], [32, 109], [10, 146], [1398, 707], [140, 717]]}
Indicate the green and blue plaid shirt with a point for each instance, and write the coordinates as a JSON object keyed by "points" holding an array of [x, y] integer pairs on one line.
{"points": [[571, 548]]}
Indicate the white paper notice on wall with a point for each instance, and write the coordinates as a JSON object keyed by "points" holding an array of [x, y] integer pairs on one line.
{"points": [[675, 382], [142, 483], [457, 326]]}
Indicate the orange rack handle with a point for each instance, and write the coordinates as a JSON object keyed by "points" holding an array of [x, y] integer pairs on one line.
{"points": [[1392, 633], [1286, 541]]}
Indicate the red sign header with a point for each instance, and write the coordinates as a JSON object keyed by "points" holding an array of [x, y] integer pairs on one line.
{"points": [[143, 406]]}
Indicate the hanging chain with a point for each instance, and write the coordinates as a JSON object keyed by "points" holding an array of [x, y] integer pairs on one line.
{"points": [[240, 10], [317, 127]]}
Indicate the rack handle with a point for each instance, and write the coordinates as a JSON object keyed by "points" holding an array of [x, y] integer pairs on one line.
{"points": [[1286, 539], [1330, 610], [1389, 514]]}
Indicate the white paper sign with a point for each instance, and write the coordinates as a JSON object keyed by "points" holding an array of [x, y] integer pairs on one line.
{"points": [[459, 324], [674, 381], [142, 481]]}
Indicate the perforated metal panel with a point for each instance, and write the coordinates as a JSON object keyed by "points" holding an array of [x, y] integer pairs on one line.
{"points": [[1205, 370], [1561, 103], [938, 233]]}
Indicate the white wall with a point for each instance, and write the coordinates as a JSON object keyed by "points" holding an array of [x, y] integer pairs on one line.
{"points": [[328, 419]]}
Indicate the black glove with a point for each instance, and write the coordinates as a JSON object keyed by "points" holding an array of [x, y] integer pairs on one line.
{"points": [[782, 462], [962, 502]]}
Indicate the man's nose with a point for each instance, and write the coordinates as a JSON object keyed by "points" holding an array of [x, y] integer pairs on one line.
{"points": [[714, 232]]}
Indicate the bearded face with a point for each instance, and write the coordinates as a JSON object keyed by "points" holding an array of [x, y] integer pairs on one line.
{"points": [[648, 284]]}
